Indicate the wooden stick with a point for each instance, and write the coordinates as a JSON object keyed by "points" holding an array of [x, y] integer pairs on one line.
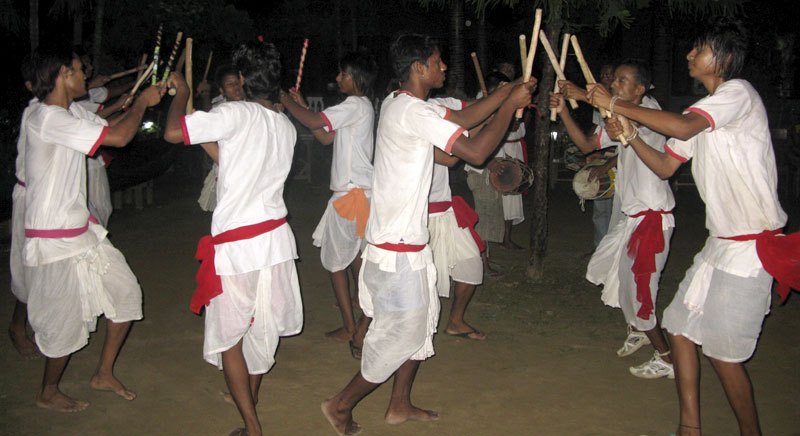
{"points": [[479, 74], [302, 61], [523, 51], [537, 24], [190, 103], [554, 62], [587, 74], [181, 60], [142, 67], [172, 56], [141, 80], [156, 53], [124, 73], [562, 62], [208, 65]]}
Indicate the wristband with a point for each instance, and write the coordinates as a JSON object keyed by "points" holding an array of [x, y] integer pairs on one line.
{"points": [[633, 135], [611, 105]]}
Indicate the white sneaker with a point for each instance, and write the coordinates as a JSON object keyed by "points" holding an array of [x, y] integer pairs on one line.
{"points": [[633, 342], [654, 368]]}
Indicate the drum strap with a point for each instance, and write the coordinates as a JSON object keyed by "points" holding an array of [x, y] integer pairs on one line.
{"points": [[780, 256], [645, 242]]}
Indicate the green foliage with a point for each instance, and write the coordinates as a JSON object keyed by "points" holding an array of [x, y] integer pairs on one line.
{"points": [[9, 19]]}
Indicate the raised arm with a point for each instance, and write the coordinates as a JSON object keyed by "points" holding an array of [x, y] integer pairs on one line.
{"points": [[177, 109], [681, 126], [443, 158], [121, 133], [557, 103], [663, 164], [479, 110], [293, 102]]}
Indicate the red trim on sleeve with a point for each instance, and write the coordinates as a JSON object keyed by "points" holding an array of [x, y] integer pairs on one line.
{"points": [[599, 135], [705, 115], [463, 104], [447, 113], [327, 121], [99, 141], [99, 108], [449, 147], [672, 153], [185, 132]]}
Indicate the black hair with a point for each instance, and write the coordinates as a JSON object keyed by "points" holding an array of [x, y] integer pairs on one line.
{"points": [[28, 68], [362, 68], [408, 48], [728, 41], [643, 74], [224, 71], [494, 78], [46, 65], [260, 65]]}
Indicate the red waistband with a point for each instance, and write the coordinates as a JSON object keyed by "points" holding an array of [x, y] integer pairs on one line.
{"points": [[60, 233], [650, 212], [247, 232], [21, 183], [439, 206], [401, 248], [465, 216], [752, 236]]}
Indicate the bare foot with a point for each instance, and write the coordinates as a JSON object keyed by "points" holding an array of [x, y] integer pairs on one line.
{"points": [[25, 347], [341, 422], [60, 402], [339, 335], [409, 413], [227, 397], [110, 383]]}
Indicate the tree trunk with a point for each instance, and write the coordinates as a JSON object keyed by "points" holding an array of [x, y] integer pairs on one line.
{"points": [[662, 62], [77, 29], [455, 84], [541, 160], [482, 45], [98, 34], [33, 23]]}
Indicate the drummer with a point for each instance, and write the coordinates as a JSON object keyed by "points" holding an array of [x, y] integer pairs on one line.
{"points": [[629, 259]]}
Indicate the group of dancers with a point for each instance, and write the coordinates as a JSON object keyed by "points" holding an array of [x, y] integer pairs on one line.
{"points": [[392, 220]]}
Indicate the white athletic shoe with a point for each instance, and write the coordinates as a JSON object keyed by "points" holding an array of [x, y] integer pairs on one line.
{"points": [[654, 368], [633, 342]]}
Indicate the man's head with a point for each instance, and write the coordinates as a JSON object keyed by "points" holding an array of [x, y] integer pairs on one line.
{"points": [[607, 75], [259, 64], [719, 50], [508, 69], [631, 80], [55, 67], [229, 83], [494, 79], [357, 72], [420, 53]]}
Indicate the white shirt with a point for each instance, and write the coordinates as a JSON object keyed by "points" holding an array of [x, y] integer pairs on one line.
{"points": [[19, 168], [440, 185], [256, 146], [407, 130], [733, 165], [637, 186], [55, 172], [352, 121]]}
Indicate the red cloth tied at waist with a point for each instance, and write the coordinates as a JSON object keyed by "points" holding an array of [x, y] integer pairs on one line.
{"points": [[465, 216], [780, 256], [60, 233], [209, 284], [354, 206], [646, 241], [401, 248]]}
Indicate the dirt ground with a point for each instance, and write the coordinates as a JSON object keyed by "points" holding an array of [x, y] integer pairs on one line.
{"points": [[548, 367]]}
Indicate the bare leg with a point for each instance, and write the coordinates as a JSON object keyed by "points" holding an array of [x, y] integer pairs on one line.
{"points": [[239, 384], [341, 289], [487, 268], [656, 336], [355, 268], [255, 386], [50, 397], [361, 330], [507, 242], [16, 330], [103, 378], [339, 409], [400, 408], [739, 391], [455, 324], [687, 380]]}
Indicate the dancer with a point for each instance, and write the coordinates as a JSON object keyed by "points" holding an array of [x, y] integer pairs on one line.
{"points": [[630, 257], [397, 286], [349, 126], [248, 280], [721, 303], [72, 272]]}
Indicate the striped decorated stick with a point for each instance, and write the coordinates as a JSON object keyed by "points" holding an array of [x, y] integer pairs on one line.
{"points": [[302, 61], [155, 54], [172, 56]]}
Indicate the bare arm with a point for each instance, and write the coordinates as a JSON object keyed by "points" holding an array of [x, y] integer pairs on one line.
{"points": [[308, 118], [557, 103], [325, 138], [478, 111], [177, 109], [122, 132], [212, 148], [681, 126], [443, 158], [663, 164]]}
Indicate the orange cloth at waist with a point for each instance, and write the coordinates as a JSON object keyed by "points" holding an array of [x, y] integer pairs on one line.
{"points": [[209, 284], [465, 216], [354, 206], [780, 256]]}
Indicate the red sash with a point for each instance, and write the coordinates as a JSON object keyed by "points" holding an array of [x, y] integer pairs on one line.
{"points": [[60, 233], [646, 241], [465, 216], [209, 284], [401, 248], [780, 256]]}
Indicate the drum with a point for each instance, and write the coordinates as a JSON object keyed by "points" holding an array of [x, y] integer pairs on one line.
{"points": [[574, 159], [511, 176], [600, 188]]}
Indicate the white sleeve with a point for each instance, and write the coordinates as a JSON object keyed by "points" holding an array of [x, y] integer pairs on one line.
{"points": [[343, 114], [431, 123], [681, 150], [212, 126], [98, 95], [729, 103], [63, 128]]}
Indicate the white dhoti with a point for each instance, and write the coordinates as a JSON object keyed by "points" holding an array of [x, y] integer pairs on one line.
{"points": [[455, 253], [208, 195], [257, 308], [17, 242], [610, 266], [512, 209], [99, 192], [398, 291], [337, 238], [66, 297]]}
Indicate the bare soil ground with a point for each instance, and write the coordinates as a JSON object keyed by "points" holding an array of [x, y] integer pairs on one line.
{"points": [[548, 367]]}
